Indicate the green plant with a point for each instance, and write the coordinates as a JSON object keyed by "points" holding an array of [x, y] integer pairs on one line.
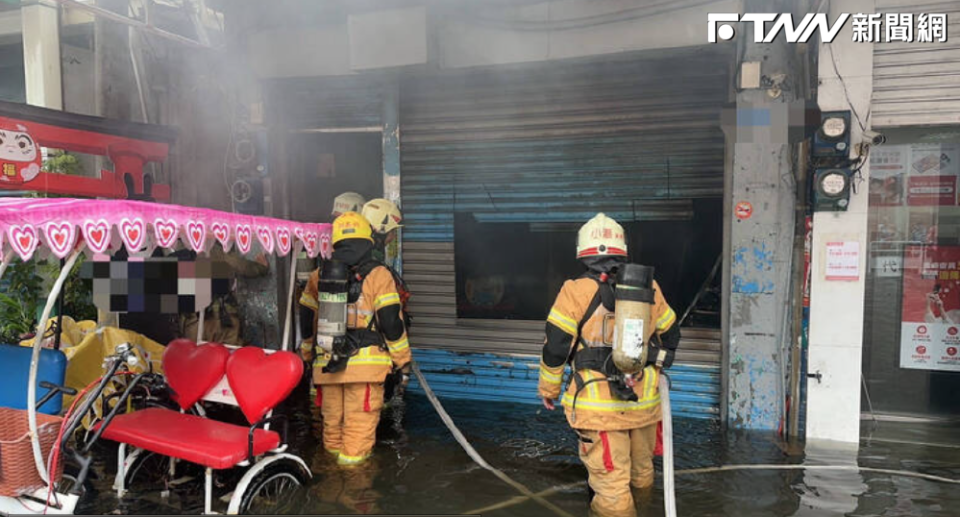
{"points": [[61, 162], [19, 301], [26, 285], [77, 295]]}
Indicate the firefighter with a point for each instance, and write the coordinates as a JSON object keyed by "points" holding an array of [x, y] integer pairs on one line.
{"points": [[384, 218], [350, 379], [616, 422], [346, 202]]}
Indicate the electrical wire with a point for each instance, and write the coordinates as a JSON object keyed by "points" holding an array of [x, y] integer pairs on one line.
{"points": [[863, 123]]}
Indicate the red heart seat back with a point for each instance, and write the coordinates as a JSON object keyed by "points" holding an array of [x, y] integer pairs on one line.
{"points": [[192, 370], [260, 381]]}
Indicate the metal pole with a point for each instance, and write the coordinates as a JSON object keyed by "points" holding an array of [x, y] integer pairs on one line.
{"points": [[6, 262], [59, 334], [202, 314], [288, 320], [35, 365]]}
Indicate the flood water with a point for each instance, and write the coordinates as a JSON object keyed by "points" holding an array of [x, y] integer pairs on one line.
{"points": [[420, 469]]}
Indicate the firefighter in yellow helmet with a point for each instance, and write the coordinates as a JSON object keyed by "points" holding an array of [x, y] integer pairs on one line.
{"points": [[616, 422], [346, 202], [350, 379]]}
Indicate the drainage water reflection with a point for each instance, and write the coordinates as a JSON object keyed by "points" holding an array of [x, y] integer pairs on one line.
{"points": [[418, 468]]}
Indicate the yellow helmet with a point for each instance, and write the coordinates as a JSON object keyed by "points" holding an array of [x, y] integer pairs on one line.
{"points": [[351, 225], [601, 236], [347, 202], [384, 216]]}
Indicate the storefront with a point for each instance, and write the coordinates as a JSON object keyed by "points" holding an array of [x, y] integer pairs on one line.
{"points": [[911, 352], [499, 167]]}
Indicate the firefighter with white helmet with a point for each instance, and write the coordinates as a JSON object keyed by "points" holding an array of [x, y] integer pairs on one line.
{"points": [[615, 415], [383, 215], [347, 202]]}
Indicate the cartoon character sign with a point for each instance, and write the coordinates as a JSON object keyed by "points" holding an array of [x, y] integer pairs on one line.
{"points": [[19, 154]]}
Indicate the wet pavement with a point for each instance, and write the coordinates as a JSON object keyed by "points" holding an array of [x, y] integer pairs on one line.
{"points": [[418, 468]]}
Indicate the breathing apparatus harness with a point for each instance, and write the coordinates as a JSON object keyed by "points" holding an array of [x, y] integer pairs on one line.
{"points": [[348, 345], [600, 358]]}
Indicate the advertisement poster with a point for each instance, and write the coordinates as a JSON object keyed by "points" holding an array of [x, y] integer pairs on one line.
{"points": [[916, 175], [932, 177], [930, 320], [888, 175]]}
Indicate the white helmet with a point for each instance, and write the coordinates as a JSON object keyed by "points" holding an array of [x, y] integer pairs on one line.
{"points": [[601, 236], [347, 202], [384, 216]]}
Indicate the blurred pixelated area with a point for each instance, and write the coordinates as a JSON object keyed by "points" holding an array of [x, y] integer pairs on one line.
{"points": [[770, 122], [167, 285]]}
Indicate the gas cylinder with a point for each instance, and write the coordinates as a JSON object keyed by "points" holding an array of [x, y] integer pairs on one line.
{"points": [[634, 326]]}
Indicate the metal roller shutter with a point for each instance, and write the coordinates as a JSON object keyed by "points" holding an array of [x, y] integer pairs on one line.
{"points": [[553, 143], [917, 83]]}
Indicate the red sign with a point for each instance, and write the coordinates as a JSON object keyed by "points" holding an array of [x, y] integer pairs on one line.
{"points": [[930, 314], [743, 210], [931, 190], [129, 146]]}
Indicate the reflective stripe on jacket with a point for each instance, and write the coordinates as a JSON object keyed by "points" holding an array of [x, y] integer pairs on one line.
{"points": [[372, 363], [596, 407]]}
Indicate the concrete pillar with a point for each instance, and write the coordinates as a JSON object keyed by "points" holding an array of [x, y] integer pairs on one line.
{"points": [[41, 54], [836, 308], [761, 177]]}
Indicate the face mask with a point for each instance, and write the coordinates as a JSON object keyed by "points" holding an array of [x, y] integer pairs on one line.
{"points": [[606, 265], [352, 251]]}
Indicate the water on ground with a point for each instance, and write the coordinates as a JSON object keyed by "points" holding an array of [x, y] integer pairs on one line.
{"points": [[418, 468]]}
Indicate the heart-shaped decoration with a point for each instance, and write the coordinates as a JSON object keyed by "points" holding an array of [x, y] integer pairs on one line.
{"points": [[131, 231], [312, 249], [266, 240], [222, 233], [261, 381], [192, 370], [298, 232], [97, 235], [325, 245], [24, 240], [197, 235], [165, 232], [283, 240], [60, 238], [243, 238]]}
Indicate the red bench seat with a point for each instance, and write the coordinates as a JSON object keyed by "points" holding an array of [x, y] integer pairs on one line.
{"points": [[213, 444]]}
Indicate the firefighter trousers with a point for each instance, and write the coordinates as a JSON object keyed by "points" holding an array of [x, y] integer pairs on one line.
{"points": [[615, 461], [350, 413]]}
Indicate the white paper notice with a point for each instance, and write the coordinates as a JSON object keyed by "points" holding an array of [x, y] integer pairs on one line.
{"points": [[843, 261]]}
